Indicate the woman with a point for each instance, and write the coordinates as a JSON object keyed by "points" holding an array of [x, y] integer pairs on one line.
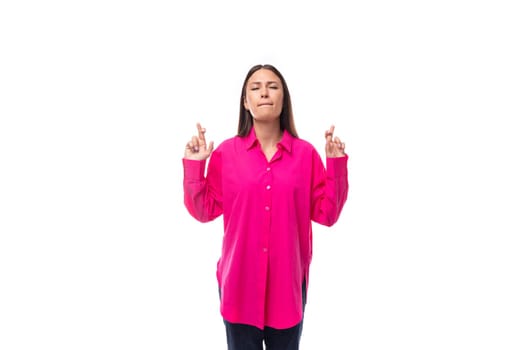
{"points": [[269, 185]]}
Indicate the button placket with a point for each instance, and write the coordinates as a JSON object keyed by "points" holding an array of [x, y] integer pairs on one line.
{"points": [[267, 203]]}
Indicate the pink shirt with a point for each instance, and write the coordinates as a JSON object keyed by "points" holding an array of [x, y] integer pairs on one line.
{"points": [[268, 209]]}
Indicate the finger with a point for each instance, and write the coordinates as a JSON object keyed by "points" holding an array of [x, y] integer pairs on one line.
{"points": [[195, 143], [329, 134], [201, 132]]}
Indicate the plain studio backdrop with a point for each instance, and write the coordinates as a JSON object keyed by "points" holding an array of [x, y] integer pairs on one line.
{"points": [[97, 101]]}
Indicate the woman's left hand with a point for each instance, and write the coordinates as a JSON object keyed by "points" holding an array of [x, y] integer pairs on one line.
{"points": [[334, 147]]}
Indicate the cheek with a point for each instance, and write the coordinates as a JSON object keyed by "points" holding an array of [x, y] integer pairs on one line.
{"points": [[247, 103], [281, 103], [280, 98]]}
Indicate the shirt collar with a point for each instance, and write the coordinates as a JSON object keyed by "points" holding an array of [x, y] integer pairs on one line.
{"points": [[286, 141], [251, 141]]}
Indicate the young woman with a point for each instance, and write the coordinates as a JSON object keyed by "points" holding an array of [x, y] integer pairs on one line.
{"points": [[269, 185]]}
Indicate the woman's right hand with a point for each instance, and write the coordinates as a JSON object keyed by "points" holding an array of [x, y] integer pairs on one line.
{"points": [[196, 148]]}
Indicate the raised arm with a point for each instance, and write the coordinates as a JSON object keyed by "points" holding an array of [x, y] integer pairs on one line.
{"points": [[330, 185], [202, 194]]}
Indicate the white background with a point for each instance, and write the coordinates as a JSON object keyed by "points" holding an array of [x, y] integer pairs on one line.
{"points": [[98, 98]]}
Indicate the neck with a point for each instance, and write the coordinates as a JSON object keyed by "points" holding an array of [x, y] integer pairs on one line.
{"points": [[268, 134]]}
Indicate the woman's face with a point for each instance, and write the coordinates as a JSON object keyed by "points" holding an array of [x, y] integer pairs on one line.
{"points": [[264, 95]]}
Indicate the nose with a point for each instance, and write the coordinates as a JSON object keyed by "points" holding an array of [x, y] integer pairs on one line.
{"points": [[264, 92]]}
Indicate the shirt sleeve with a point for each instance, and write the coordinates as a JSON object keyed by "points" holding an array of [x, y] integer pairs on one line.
{"points": [[203, 194], [329, 189]]}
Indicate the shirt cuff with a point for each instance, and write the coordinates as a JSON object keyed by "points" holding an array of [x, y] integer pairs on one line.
{"points": [[337, 167], [193, 169]]}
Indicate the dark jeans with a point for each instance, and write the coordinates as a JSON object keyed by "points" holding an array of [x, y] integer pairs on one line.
{"points": [[245, 337]]}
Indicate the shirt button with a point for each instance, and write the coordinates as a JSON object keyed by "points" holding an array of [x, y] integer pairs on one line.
{"points": [[265, 250], [267, 208], [268, 169], [268, 187]]}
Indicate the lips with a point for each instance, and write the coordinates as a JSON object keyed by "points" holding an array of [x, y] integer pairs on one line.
{"points": [[264, 104]]}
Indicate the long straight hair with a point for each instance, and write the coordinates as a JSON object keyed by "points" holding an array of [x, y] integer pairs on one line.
{"points": [[285, 119]]}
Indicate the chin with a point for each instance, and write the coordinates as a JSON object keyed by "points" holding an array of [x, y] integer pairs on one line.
{"points": [[266, 118]]}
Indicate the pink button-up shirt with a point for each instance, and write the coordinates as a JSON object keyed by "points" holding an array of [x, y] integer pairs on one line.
{"points": [[268, 209]]}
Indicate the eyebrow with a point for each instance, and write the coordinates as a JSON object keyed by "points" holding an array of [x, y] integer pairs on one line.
{"points": [[268, 82]]}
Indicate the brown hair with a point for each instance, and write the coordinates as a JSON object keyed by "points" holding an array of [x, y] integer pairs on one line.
{"points": [[286, 117]]}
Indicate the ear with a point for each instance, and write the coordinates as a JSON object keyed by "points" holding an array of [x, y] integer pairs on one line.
{"points": [[246, 104]]}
